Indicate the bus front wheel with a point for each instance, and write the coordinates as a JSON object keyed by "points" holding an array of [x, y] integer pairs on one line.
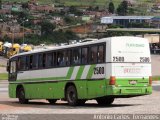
{"points": [[21, 96], [71, 95], [105, 101]]}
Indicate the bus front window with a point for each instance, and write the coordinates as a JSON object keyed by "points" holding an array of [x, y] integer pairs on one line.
{"points": [[13, 74]]}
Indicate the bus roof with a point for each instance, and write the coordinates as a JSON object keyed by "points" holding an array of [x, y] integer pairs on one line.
{"points": [[72, 45]]}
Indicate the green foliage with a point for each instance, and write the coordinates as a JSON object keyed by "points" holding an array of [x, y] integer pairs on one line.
{"points": [[122, 8], [114, 33], [74, 10], [25, 5], [111, 7], [156, 78], [47, 28], [72, 20], [3, 76], [68, 19], [115, 26], [139, 25], [56, 37], [131, 11]]}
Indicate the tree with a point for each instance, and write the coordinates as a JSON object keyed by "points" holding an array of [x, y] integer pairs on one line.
{"points": [[25, 5], [72, 9], [47, 28], [122, 8], [111, 7]]}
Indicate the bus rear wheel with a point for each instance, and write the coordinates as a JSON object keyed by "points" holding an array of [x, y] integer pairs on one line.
{"points": [[105, 101], [21, 96], [52, 101], [71, 95]]}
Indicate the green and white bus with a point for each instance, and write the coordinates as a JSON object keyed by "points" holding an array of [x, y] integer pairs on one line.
{"points": [[102, 69]]}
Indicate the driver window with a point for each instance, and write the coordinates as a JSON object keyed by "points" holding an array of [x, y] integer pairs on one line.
{"points": [[13, 67]]}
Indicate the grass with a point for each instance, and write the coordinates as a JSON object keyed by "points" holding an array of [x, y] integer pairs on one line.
{"points": [[103, 3], [156, 78], [3, 76]]}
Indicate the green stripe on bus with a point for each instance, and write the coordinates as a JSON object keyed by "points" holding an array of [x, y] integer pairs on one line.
{"points": [[90, 72], [80, 71], [70, 72]]}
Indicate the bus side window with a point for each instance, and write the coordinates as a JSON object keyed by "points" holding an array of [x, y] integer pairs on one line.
{"points": [[27, 63], [31, 62], [34, 61], [100, 54], [40, 61], [76, 56], [60, 58], [44, 60], [93, 54], [54, 59], [84, 55], [68, 57], [22, 63], [49, 61]]}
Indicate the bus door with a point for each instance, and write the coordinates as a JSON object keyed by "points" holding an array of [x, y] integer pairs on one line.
{"points": [[12, 70]]}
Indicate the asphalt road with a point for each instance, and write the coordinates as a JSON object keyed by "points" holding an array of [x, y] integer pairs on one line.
{"points": [[136, 105]]}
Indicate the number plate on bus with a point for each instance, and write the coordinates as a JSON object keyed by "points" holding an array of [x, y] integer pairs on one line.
{"points": [[132, 82]]}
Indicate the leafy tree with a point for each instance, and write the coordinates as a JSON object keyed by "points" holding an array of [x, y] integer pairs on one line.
{"points": [[96, 8], [25, 5], [23, 15], [122, 8], [111, 7], [47, 28], [68, 20], [72, 9], [90, 8]]}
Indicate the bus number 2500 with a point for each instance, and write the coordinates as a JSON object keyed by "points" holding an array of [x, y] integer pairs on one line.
{"points": [[98, 70]]}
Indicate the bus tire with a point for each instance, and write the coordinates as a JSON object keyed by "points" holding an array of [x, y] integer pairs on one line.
{"points": [[52, 101], [71, 95], [106, 101], [81, 102], [21, 96]]}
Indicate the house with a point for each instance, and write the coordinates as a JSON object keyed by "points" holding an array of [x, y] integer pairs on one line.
{"points": [[96, 14], [13, 31], [57, 20], [41, 8], [5, 11]]}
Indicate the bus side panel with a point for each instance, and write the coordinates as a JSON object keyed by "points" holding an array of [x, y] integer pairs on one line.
{"points": [[45, 90], [59, 90], [81, 87], [96, 88], [12, 90]]}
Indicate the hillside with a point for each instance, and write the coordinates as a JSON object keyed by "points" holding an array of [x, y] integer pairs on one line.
{"points": [[101, 3]]}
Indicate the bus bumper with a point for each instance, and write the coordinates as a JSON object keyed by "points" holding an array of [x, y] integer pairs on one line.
{"points": [[120, 91]]}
